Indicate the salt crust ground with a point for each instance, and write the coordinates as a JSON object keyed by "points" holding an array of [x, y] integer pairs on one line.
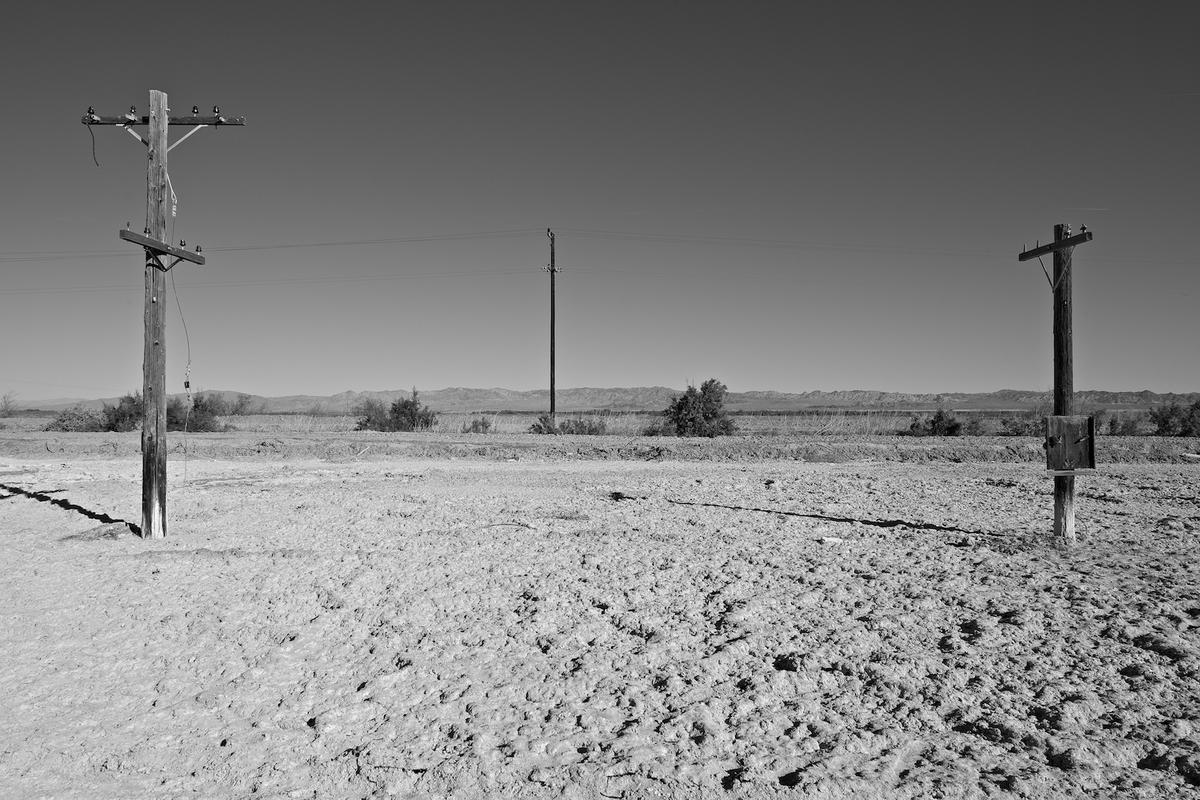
{"points": [[425, 628]]}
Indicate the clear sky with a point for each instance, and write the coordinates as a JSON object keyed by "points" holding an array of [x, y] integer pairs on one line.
{"points": [[786, 196]]}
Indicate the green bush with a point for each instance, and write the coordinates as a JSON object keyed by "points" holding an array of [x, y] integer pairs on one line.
{"points": [[700, 412], [478, 425], [543, 425], [404, 415], [76, 420]]}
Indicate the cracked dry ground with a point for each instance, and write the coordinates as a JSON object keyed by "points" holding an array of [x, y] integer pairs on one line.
{"points": [[469, 628]]}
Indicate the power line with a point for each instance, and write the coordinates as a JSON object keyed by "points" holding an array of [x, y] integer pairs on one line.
{"points": [[21, 256], [277, 281], [681, 238]]}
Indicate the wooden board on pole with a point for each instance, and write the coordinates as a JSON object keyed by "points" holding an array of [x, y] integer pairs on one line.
{"points": [[154, 359]]}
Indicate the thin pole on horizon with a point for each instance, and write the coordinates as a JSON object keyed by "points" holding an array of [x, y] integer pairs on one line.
{"points": [[553, 270]]}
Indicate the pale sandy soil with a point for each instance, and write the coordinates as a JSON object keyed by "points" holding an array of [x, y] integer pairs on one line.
{"points": [[476, 627]]}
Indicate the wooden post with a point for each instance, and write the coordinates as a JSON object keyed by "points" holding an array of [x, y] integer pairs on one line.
{"points": [[553, 271], [1064, 377], [154, 359], [1064, 383]]}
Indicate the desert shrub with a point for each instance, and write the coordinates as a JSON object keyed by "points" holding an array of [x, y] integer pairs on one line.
{"points": [[578, 427], [700, 412], [1176, 420], [1025, 425], [126, 415], [659, 427], [244, 404], [1124, 424], [478, 425], [405, 415], [973, 427], [201, 417], [8, 404], [1191, 420], [409, 415], [76, 420], [1167, 419], [372, 416], [942, 423], [583, 427], [214, 402]]}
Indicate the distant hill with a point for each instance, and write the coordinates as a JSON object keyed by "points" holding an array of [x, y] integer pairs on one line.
{"points": [[656, 398]]}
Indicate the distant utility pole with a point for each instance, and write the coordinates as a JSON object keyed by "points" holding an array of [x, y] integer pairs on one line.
{"points": [[153, 242], [553, 270], [1070, 440]]}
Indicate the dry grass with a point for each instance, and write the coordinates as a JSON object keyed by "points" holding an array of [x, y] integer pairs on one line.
{"points": [[626, 424], [291, 423]]}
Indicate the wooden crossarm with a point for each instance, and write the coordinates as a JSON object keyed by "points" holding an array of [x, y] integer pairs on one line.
{"points": [[162, 248], [1045, 249], [130, 119]]}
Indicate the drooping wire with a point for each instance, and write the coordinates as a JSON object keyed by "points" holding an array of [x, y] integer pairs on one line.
{"points": [[187, 377], [93, 135]]}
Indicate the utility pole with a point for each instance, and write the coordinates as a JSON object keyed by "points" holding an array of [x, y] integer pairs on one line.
{"points": [[1064, 432], [553, 270], [154, 244]]}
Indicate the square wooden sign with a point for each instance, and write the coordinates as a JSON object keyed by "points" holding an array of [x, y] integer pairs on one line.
{"points": [[1070, 443]]}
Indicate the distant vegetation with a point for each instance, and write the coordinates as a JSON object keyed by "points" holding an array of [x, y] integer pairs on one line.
{"points": [[477, 425], [942, 423], [126, 416], [406, 414], [574, 426], [1176, 420], [697, 412]]}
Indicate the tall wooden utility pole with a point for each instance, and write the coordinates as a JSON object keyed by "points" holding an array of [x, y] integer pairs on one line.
{"points": [[153, 242], [1065, 432], [553, 270]]}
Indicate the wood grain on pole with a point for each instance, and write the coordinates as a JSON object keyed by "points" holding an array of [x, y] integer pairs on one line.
{"points": [[1064, 383], [154, 384]]}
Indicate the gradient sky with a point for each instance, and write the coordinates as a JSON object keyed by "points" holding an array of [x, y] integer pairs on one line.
{"points": [[788, 196]]}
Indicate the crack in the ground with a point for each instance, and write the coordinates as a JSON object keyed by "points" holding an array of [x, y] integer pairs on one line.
{"points": [[44, 497]]}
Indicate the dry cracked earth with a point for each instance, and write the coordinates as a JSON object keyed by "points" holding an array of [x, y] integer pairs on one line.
{"points": [[426, 628]]}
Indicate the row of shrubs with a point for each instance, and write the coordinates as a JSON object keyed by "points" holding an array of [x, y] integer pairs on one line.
{"points": [[1168, 420], [198, 417], [696, 412]]}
